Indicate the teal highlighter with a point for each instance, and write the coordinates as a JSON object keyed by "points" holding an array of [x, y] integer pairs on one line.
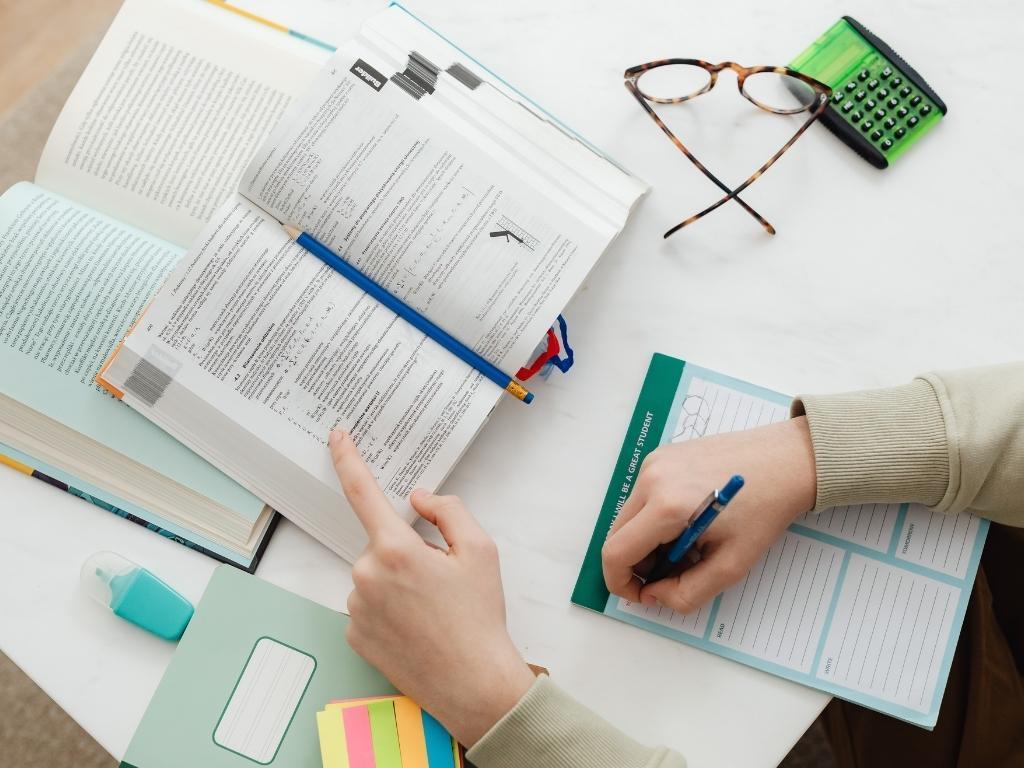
{"points": [[136, 595]]}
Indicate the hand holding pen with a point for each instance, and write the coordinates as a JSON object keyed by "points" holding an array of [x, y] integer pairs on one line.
{"points": [[777, 464]]}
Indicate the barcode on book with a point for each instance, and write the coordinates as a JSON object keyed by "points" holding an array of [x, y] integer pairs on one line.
{"points": [[147, 382]]}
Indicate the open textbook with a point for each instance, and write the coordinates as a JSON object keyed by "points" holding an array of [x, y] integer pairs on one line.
{"points": [[864, 602], [153, 138], [442, 184]]}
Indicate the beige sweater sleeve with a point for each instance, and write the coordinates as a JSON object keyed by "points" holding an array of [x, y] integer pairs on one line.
{"points": [[953, 441], [550, 729]]}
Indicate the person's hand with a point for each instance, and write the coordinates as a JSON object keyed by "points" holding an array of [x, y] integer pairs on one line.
{"points": [[431, 620], [777, 463]]}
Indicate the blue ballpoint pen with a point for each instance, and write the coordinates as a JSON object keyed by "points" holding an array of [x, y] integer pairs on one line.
{"points": [[407, 313], [698, 523]]}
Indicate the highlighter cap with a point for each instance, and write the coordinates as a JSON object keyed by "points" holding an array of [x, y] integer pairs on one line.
{"points": [[136, 595], [99, 570]]}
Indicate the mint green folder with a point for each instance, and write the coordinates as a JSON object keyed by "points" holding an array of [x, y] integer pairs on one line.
{"points": [[250, 673]]}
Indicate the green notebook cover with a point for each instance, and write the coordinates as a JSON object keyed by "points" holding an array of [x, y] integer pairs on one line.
{"points": [[250, 673]]}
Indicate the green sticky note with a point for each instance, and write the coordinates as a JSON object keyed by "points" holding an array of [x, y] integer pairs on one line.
{"points": [[384, 730]]}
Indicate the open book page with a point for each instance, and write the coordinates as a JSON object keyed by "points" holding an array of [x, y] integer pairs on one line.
{"points": [[254, 350], [171, 107], [865, 601], [73, 281], [376, 176], [487, 111]]}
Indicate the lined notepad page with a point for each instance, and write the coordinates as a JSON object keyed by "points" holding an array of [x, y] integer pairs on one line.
{"points": [[865, 601]]}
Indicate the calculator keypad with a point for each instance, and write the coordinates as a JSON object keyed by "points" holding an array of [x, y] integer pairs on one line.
{"points": [[899, 104]]}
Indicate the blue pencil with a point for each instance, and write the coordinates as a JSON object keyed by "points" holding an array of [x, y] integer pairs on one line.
{"points": [[407, 313]]}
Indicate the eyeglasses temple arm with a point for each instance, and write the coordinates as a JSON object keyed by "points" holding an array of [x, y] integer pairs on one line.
{"points": [[756, 175], [733, 195]]}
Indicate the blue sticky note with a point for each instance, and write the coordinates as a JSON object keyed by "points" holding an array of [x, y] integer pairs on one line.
{"points": [[439, 743]]}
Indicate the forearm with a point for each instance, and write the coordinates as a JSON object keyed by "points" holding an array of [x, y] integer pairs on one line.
{"points": [[549, 728], [953, 441]]}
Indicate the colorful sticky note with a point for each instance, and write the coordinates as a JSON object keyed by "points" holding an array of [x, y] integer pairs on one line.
{"points": [[384, 732], [358, 737], [439, 743], [411, 739], [333, 751]]}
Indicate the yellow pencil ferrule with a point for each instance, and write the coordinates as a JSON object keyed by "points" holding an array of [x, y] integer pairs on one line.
{"points": [[517, 390]]}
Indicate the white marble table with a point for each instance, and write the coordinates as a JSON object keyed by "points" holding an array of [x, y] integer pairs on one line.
{"points": [[874, 276]]}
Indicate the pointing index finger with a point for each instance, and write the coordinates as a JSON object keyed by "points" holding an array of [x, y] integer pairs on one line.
{"points": [[360, 487]]}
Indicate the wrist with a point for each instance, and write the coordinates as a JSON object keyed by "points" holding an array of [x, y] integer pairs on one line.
{"points": [[801, 465], [491, 694]]}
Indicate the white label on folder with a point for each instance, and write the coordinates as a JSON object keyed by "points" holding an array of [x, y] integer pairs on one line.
{"points": [[264, 701]]}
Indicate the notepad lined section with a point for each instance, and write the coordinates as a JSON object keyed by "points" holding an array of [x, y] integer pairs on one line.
{"points": [[709, 409], [691, 623], [870, 525], [938, 541], [889, 632], [777, 612], [863, 601]]}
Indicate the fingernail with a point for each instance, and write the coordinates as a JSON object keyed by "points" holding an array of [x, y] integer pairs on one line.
{"points": [[649, 600], [423, 492], [336, 436]]}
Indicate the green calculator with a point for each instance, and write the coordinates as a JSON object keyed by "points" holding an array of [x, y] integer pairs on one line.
{"points": [[880, 104]]}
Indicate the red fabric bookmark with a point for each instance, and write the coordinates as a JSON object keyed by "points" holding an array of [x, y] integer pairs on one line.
{"points": [[551, 351]]}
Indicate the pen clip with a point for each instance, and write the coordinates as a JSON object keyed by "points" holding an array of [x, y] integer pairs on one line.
{"points": [[711, 499]]}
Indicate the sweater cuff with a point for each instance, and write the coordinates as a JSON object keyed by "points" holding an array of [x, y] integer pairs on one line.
{"points": [[549, 727], [883, 445]]}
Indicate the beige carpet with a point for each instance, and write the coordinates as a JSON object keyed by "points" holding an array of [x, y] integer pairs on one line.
{"points": [[35, 732]]}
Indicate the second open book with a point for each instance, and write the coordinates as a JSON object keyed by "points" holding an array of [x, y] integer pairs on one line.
{"points": [[417, 166]]}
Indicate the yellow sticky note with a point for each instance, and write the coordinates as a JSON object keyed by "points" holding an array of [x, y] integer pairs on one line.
{"points": [[333, 751], [410, 733]]}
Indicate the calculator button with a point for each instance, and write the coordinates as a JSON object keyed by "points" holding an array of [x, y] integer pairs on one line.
{"points": [[890, 123], [856, 116], [837, 97], [915, 101], [926, 109], [893, 103], [882, 93], [851, 86], [876, 135], [872, 85], [905, 91], [912, 122], [879, 114], [867, 125], [887, 72], [896, 82], [859, 96], [900, 133], [887, 145], [847, 106], [870, 104], [903, 112], [864, 74]]}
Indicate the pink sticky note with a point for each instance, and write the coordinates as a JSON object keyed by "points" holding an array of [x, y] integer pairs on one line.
{"points": [[358, 737]]}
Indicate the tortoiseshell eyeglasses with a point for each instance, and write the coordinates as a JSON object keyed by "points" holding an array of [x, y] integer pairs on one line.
{"points": [[779, 90]]}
